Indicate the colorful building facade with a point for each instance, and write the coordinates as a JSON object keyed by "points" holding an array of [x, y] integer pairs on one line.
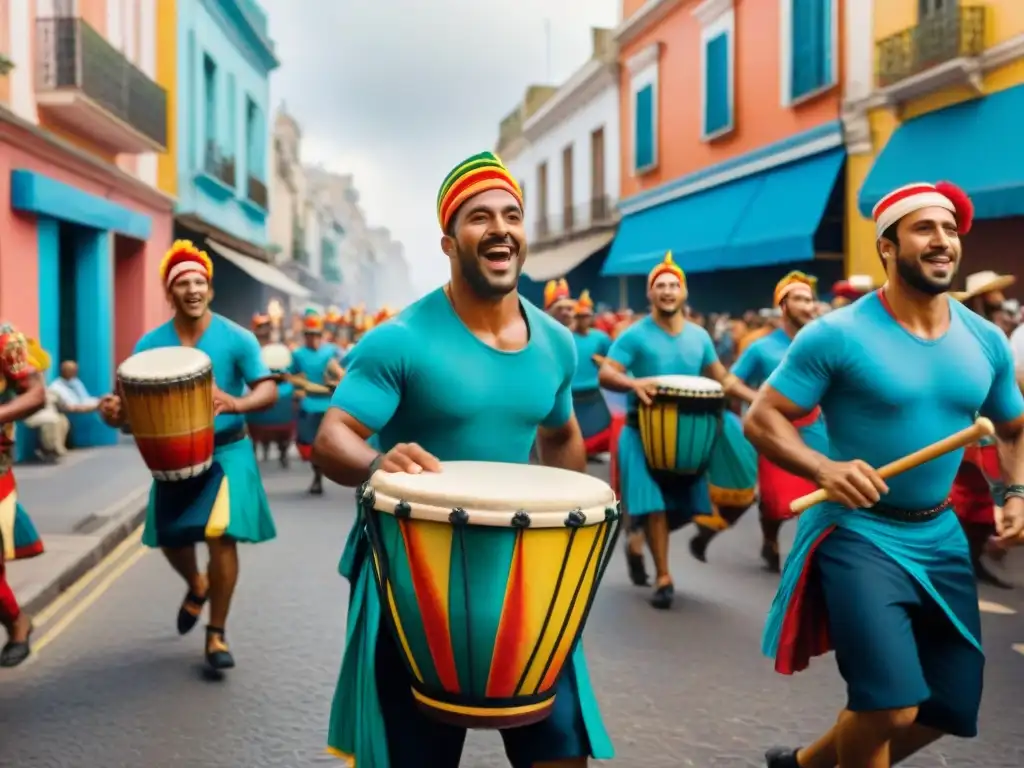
{"points": [[945, 92], [82, 223], [733, 153]]}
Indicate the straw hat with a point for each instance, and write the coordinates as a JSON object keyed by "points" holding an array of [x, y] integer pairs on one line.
{"points": [[981, 283]]}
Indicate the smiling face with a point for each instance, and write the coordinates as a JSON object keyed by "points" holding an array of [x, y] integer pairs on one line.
{"points": [[926, 252], [190, 295], [667, 295], [799, 308], [486, 243]]}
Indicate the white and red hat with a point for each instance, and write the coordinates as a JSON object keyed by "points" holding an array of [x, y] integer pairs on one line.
{"points": [[914, 197]]}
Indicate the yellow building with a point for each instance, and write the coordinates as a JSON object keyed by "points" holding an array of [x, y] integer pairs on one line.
{"points": [[935, 91]]}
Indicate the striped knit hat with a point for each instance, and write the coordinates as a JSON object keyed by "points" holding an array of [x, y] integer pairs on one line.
{"points": [[477, 174], [666, 267], [914, 197]]}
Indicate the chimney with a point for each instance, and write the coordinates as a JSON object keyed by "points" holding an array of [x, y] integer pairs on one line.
{"points": [[603, 42]]}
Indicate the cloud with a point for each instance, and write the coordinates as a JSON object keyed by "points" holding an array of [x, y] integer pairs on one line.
{"points": [[397, 92]]}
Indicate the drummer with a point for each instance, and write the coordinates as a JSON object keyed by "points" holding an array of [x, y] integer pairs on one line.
{"points": [[883, 573], [316, 362], [275, 425], [21, 394], [558, 301], [795, 296], [591, 347], [187, 274], [663, 343], [438, 383]]}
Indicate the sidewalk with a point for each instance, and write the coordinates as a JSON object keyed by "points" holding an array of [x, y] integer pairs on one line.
{"points": [[83, 508]]}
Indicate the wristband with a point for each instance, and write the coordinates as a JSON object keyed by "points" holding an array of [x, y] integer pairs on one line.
{"points": [[1015, 490], [375, 465]]}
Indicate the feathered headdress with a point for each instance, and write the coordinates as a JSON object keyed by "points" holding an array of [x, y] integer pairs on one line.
{"points": [[182, 259], [555, 291], [791, 281], [312, 322], [584, 304], [667, 266]]}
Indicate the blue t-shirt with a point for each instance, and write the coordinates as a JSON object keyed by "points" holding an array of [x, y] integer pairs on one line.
{"points": [[645, 349], [886, 393], [312, 363], [235, 353], [762, 357], [592, 343], [423, 377]]}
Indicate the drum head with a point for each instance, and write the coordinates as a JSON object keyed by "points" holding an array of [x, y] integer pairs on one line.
{"points": [[491, 493], [277, 357], [164, 364], [695, 384]]}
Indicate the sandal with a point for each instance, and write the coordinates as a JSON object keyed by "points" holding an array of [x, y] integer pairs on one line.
{"points": [[637, 568], [190, 611], [218, 657], [14, 653]]}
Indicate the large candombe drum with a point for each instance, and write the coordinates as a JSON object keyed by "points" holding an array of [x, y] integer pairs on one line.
{"points": [[487, 572], [168, 402], [681, 426], [277, 357]]}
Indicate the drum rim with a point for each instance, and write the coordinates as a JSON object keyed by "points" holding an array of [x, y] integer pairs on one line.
{"points": [[710, 394], [206, 367], [576, 517]]}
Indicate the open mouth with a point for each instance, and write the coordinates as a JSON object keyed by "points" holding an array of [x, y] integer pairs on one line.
{"points": [[194, 303], [499, 257], [939, 260]]}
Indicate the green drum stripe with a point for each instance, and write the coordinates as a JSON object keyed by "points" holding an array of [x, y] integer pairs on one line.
{"points": [[405, 600], [695, 439], [487, 555]]}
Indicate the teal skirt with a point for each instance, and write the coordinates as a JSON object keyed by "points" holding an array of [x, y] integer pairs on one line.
{"points": [[228, 501]]}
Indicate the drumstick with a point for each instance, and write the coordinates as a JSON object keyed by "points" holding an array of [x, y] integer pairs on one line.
{"points": [[598, 360], [309, 386], [981, 428]]}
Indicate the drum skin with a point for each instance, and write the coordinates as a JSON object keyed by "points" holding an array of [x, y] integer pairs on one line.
{"points": [[679, 430], [486, 616], [170, 410], [732, 471]]}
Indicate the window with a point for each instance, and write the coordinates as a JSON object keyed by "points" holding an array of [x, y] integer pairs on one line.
{"points": [[231, 134], [567, 192], [542, 199], [210, 105], [717, 47], [598, 203], [254, 139], [644, 128], [809, 45], [926, 8]]}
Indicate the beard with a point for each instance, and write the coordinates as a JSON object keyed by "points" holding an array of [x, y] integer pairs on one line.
{"points": [[912, 273], [666, 313], [488, 287]]}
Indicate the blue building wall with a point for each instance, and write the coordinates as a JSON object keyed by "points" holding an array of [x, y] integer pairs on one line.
{"points": [[232, 35]]}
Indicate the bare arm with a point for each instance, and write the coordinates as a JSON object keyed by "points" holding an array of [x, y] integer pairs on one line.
{"points": [[613, 377], [340, 450], [1011, 450], [731, 383], [334, 372], [31, 397], [563, 446], [768, 424], [259, 398]]}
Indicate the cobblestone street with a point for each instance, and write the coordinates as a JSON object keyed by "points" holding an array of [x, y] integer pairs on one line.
{"points": [[116, 687]]}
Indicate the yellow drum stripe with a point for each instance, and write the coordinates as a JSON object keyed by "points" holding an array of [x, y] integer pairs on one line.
{"points": [[486, 712], [398, 624], [7, 510], [551, 548], [220, 513], [670, 433], [542, 553]]}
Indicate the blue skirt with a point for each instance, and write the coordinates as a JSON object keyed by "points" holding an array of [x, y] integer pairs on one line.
{"points": [[680, 497], [308, 426], [592, 412], [228, 501]]}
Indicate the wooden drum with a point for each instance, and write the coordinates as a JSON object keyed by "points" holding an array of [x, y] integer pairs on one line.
{"points": [[277, 357], [681, 426], [487, 573], [168, 402]]}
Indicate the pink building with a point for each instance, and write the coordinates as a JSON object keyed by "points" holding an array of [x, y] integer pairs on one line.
{"points": [[82, 223]]}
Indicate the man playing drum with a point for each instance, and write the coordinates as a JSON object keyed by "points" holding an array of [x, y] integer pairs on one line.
{"points": [[240, 506], [662, 343], [469, 372], [795, 298], [588, 401], [21, 394], [275, 425], [316, 362], [882, 573]]}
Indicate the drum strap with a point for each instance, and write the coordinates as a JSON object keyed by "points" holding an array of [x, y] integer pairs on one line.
{"points": [[222, 439]]}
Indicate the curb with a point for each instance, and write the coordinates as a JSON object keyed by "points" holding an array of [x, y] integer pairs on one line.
{"points": [[122, 523]]}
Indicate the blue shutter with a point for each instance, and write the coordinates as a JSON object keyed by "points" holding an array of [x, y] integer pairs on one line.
{"points": [[811, 45], [717, 112], [644, 127]]}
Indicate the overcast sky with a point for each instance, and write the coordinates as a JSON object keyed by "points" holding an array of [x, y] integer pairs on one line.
{"points": [[396, 92]]}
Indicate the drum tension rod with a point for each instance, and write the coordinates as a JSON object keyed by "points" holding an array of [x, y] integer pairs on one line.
{"points": [[521, 519], [576, 519], [459, 516]]}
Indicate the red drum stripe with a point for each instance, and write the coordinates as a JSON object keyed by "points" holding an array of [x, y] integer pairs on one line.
{"points": [[432, 612], [166, 454], [507, 661]]}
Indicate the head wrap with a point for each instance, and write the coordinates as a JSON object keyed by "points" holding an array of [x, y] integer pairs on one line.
{"points": [[333, 317], [854, 288], [914, 197], [555, 291], [666, 267], [258, 320], [477, 174], [182, 259], [584, 304], [794, 279], [312, 322]]}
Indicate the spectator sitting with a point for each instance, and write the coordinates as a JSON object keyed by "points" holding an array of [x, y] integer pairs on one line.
{"points": [[71, 394]]}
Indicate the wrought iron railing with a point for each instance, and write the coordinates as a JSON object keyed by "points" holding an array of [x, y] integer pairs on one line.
{"points": [[219, 165], [599, 211], [937, 38], [72, 55], [257, 192]]}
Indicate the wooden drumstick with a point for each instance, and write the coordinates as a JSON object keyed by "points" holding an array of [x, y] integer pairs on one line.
{"points": [[981, 428], [309, 386]]}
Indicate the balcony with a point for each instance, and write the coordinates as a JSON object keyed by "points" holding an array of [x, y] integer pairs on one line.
{"points": [[598, 213], [935, 53], [88, 87]]}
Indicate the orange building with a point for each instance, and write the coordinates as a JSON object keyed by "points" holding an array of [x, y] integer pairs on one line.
{"points": [[732, 145]]}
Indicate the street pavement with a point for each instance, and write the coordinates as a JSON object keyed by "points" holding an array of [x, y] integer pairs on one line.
{"points": [[112, 684]]}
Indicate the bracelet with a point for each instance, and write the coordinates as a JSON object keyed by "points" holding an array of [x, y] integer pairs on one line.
{"points": [[374, 465], [1014, 490]]}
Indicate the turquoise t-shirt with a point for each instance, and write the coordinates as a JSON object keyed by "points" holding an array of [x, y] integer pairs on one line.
{"points": [[593, 342], [762, 357], [235, 353], [886, 393], [646, 349], [312, 363], [423, 377]]}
